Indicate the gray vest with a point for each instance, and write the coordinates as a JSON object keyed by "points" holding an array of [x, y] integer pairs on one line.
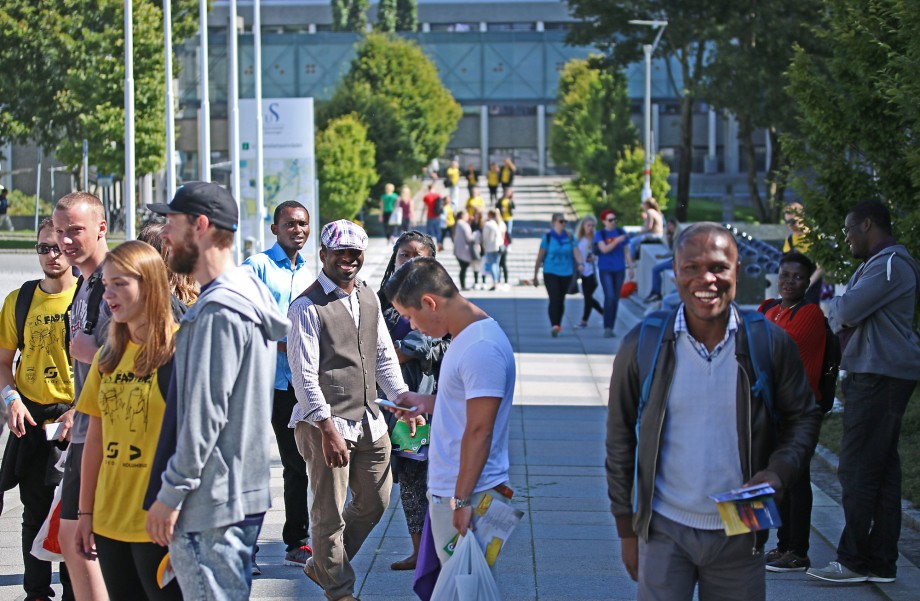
{"points": [[347, 355]]}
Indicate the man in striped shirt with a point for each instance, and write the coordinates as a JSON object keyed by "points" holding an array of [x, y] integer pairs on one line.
{"points": [[339, 350]]}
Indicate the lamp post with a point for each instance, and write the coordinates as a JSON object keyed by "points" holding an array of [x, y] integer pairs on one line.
{"points": [[648, 49]]}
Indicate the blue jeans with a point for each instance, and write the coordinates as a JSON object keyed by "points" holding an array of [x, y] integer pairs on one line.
{"points": [[657, 270], [870, 472], [216, 564], [433, 228], [491, 265], [611, 282]]}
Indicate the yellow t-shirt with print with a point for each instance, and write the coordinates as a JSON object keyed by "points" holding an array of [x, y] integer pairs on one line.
{"points": [[449, 218], [453, 175], [798, 241], [44, 373], [131, 409], [492, 179], [474, 204]]}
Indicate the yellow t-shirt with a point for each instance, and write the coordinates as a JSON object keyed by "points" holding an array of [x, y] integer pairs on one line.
{"points": [[131, 409], [453, 175], [505, 205], [474, 204], [492, 179], [44, 373], [449, 218], [798, 240]]}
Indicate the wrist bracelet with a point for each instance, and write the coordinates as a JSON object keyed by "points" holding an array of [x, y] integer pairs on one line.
{"points": [[79, 513], [10, 397]]}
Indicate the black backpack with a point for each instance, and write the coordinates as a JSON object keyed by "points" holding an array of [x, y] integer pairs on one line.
{"points": [[830, 365], [439, 206]]}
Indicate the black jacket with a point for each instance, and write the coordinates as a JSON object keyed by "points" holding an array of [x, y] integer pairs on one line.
{"points": [[782, 449]]}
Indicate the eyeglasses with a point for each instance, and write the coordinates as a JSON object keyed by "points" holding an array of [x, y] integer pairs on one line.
{"points": [[560, 221], [846, 229], [44, 249], [611, 219]]}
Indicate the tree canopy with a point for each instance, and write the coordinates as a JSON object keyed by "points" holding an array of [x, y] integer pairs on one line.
{"points": [[349, 15], [396, 91], [857, 100], [345, 167], [692, 27], [69, 59], [592, 125]]}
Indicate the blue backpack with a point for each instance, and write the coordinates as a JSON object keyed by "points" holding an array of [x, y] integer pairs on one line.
{"points": [[760, 350]]}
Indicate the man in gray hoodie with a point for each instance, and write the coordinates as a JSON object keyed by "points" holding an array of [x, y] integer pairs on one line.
{"points": [[215, 488], [875, 321]]}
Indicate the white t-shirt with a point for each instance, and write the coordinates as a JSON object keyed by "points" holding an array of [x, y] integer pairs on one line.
{"points": [[479, 363]]}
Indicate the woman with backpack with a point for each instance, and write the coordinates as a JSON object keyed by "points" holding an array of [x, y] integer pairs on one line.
{"points": [[805, 323], [124, 397], [561, 260], [612, 260]]}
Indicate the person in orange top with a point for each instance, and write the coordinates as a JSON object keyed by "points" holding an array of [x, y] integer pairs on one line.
{"points": [[805, 323]]}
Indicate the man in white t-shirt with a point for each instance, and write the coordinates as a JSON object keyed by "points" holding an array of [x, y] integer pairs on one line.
{"points": [[468, 455]]}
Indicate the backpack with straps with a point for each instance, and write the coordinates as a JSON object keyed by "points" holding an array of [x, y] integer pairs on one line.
{"points": [[760, 350], [23, 302], [830, 364]]}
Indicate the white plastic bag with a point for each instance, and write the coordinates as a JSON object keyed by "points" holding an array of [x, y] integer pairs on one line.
{"points": [[466, 575], [45, 546]]}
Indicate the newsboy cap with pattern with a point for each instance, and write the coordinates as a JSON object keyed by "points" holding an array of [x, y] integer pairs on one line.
{"points": [[343, 234]]}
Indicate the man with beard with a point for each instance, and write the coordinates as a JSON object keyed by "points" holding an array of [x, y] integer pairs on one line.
{"points": [[340, 350], [283, 270], [215, 487], [32, 322], [875, 321], [704, 429], [80, 227]]}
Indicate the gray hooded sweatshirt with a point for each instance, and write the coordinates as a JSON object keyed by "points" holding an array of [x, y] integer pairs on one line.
{"points": [[224, 376], [880, 304]]}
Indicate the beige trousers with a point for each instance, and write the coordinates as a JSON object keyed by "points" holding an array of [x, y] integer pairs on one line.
{"points": [[338, 530]]}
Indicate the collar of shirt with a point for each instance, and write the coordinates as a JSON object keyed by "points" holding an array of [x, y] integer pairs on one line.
{"points": [[281, 259], [680, 325]]}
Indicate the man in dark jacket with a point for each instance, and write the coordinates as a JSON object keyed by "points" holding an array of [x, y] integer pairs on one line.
{"points": [[703, 431], [875, 321]]}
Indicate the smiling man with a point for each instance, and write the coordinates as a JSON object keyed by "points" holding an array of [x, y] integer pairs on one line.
{"points": [[284, 271], [339, 350], [703, 431]]}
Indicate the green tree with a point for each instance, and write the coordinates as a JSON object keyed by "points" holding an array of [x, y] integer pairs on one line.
{"points": [[345, 167], [70, 57], [396, 91], [386, 16], [592, 125], [349, 15], [406, 15], [747, 77], [693, 25], [857, 99], [628, 180]]}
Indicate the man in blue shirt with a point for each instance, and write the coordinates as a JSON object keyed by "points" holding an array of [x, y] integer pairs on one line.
{"points": [[284, 272]]}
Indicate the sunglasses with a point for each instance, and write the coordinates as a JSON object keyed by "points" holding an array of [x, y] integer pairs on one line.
{"points": [[611, 219], [44, 249], [560, 221]]}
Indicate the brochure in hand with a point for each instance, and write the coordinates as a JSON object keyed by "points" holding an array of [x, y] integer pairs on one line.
{"points": [[493, 521], [402, 441], [747, 509]]}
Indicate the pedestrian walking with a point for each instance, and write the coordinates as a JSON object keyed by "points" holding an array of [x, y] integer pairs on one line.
{"points": [[5, 221], [667, 452], [561, 261], [610, 245], [453, 182], [506, 175], [32, 323], [387, 205], [215, 491], [492, 183], [584, 235]]}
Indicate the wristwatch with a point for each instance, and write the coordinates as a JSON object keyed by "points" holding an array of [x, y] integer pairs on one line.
{"points": [[456, 503]]}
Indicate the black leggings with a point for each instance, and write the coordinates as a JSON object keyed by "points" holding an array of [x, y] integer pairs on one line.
{"points": [[588, 286], [130, 571], [464, 265], [556, 287], [503, 263]]}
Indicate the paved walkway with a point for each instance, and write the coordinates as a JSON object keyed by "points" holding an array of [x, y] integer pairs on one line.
{"points": [[566, 546]]}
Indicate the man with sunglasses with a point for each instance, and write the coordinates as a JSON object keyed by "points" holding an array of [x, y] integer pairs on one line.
{"points": [[41, 393], [339, 350]]}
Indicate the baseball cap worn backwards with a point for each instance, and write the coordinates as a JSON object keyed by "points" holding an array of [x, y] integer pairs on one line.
{"points": [[344, 234], [203, 198]]}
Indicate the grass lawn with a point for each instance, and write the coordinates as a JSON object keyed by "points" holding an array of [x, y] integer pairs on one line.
{"points": [[579, 202], [909, 447]]}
